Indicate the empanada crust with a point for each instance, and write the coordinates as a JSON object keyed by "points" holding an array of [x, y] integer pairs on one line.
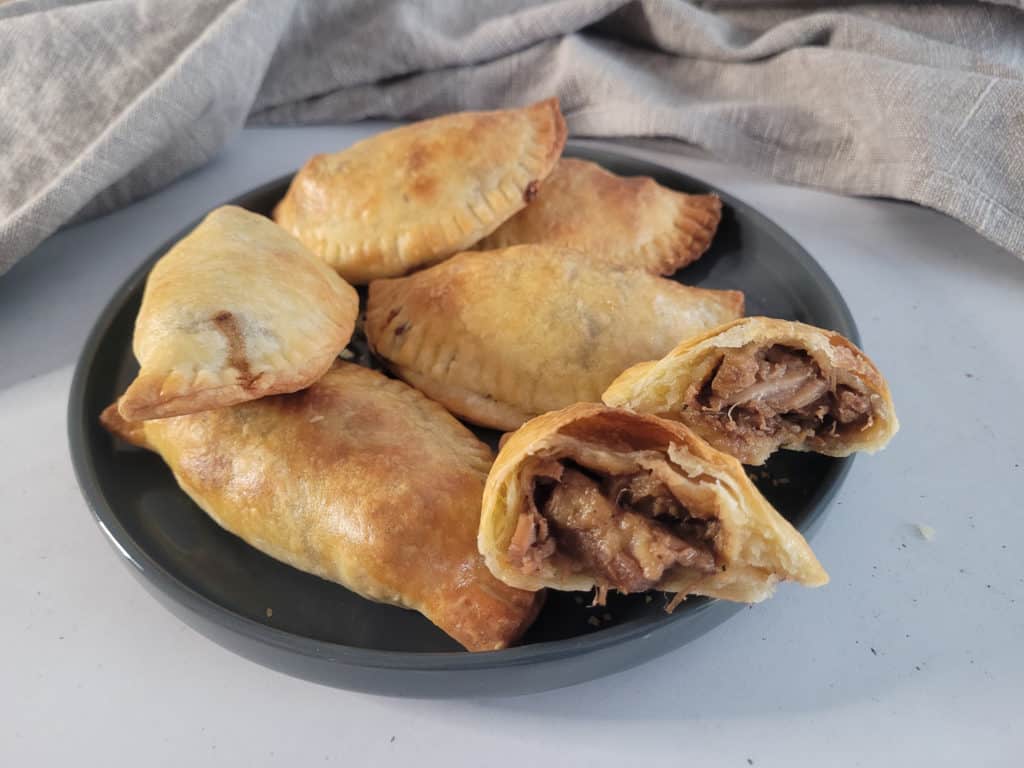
{"points": [[237, 310], [360, 480], [500, 336], [756, 547], [629, 222], [417, 194], [660, 387]]}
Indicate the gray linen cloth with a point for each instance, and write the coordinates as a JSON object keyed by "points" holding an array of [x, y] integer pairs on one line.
{"points": [[102, 102]]}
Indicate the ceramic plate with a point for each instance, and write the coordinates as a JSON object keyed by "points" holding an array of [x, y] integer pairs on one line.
{"points": [[304, 626]]}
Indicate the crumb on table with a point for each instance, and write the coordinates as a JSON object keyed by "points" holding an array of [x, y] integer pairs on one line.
{"points": [[926, 531]]}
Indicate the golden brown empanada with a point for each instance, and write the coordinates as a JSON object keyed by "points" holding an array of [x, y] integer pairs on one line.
{"points": [[628, 222], [759, 384], [501, 336], [237, 310], [359, 480], [417, 194], [597, 496]]}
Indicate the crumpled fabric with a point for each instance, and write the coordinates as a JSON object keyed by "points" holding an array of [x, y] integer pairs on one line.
{"points": [[103, 102]]}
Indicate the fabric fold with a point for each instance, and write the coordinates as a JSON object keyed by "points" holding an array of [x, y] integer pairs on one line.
{"points": [[107, 102]]}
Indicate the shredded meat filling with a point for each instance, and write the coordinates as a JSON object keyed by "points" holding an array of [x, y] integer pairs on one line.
{"points": [[644, 494], [779, 393], [531, 542], [626, 531]]}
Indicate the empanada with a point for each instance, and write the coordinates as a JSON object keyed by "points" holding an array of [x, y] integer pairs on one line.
{"points": [[760, 384], [417, 194], [631, 222], [592, 496], [500, 336], [359, 480], [237, 310]]}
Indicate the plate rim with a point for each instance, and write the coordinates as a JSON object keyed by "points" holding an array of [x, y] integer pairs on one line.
{"points": [[145, 566]]}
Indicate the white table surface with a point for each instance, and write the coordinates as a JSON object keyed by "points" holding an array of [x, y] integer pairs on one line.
{"points": [[913, 655]]}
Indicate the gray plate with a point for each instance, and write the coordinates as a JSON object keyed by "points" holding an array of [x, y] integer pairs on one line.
{"points": [[320, 631]]}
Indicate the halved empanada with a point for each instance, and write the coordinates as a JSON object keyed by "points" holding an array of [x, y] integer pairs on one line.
{"points": [[500, 336], [629, 222], [417, 194], [237, 310], [760, 384], [592, 496], [359, 480]]}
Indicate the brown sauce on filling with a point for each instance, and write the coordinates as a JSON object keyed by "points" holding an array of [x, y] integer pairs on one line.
{"points": [[778, 391], [627, 531]]}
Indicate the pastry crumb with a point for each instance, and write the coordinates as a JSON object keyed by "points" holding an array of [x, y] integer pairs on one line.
{"points": [[926, 531], [270, 612], [315, 418], [675, 602], [347, 354]]}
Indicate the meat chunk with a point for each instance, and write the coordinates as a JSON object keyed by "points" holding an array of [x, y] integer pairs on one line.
{"points": [[776, 380], [762, 397], [642, 493], [627, 550], [851, 406], [738, 371], [531, 542]]}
